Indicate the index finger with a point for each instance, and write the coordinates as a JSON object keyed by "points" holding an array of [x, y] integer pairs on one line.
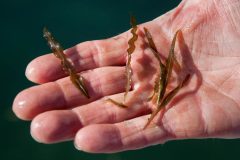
{"points": [[84, 56]]}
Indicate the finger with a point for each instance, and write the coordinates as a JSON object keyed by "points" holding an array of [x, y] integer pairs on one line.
{"points": [[108, 112], [84, 56], [127, 135], [55, 126], [63, 94], [62, 125]]}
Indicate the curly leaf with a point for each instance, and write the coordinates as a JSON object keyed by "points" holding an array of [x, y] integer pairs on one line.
{"points": [[66, 65], [130, 50]]}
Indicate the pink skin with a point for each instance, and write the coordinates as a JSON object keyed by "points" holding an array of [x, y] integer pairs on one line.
{"points": [[208, 106]]}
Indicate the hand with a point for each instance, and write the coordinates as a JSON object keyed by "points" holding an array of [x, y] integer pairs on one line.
{"points": [[208, 106]]}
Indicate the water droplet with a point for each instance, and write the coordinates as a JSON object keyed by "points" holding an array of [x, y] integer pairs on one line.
{"points": [[21, 104]]}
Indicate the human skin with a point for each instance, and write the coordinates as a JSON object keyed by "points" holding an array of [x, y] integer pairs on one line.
{"points": [[207, 107]]}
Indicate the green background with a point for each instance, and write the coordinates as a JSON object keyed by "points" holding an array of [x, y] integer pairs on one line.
{"points": [[72, 22]]}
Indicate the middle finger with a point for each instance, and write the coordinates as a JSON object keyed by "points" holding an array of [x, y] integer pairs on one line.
{"points": [[62, 94]]}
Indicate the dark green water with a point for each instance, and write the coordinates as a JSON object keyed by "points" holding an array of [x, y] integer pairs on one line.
{"points": [[75, 21]]}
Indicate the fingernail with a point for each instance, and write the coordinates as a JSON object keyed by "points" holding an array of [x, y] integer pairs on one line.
{"points": [[34, 127], [77, 146], [29, 71]]}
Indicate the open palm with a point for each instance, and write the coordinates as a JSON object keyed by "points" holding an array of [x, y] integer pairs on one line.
{"points": [[208, 106]]}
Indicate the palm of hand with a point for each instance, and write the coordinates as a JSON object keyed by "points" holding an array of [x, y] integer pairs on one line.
{"points": [[206, 107]]}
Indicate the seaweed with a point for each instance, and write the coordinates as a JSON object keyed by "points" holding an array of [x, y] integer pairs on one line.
{"points": [[162, 79], [156, 87], [167, 99], [130, 50], [128, 69], [119, 104], [57, 50], [171, 57], [165, 71]]}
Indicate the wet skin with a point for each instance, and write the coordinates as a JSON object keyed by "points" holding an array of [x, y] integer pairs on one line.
{"points": [[207, 107]]}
